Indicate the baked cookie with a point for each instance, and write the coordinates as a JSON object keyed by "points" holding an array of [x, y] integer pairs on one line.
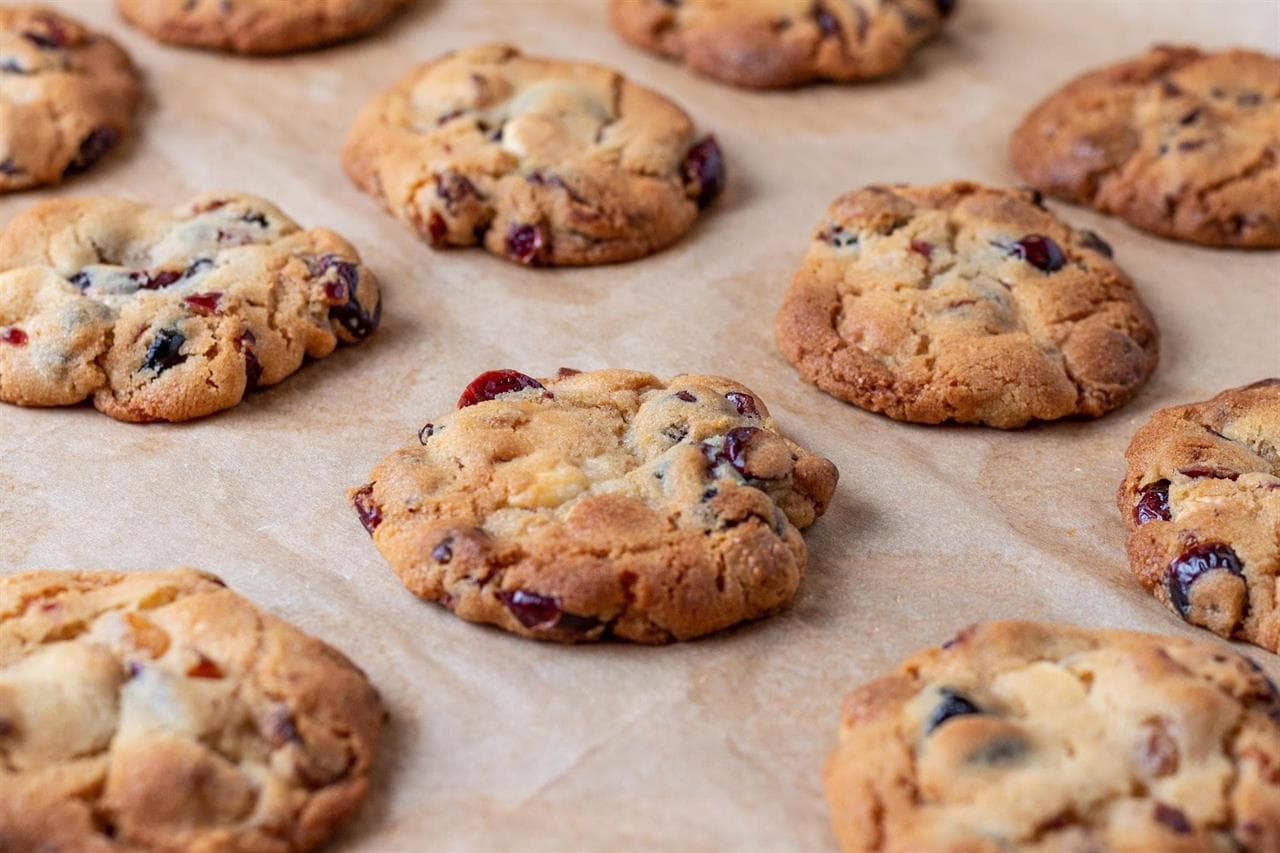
{"points": [[767, 43], [67, 96], [256, 26], [963, 303], [161, 711], [1018, 736], [602, 504], [541, 161], [1201, 502], [170, 316], [1178, 142]]}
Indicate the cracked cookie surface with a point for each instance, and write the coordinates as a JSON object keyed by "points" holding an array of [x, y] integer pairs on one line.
{"points": [[771, 43], [67, 96], [1018, 736], [1178, 142], [170, 316], [597, 505], [1201, 501], [958, 302], [256, 26], [543, 162], [161, 711]]}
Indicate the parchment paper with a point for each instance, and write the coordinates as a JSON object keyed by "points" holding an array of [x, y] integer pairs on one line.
{"points": [[497, 742]]}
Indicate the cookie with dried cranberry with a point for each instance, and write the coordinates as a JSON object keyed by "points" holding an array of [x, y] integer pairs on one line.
{"points": [[1201, 501], [959, 302], [1178, 142], [256, 26], [1023, 736], [161, 711], [609, 504], [541, 161], [163, 316], [67, 96]]}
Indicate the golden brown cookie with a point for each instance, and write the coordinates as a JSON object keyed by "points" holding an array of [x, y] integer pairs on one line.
{"points": [[541, 161], [1201, 502], [1018, 737], [963, 303], [161, 711], [770, 43], [1178, 142], [67, 96], [598, 505]]}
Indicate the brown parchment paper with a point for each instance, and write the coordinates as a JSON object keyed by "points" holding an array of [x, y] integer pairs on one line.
{"points": [[500, 743]]}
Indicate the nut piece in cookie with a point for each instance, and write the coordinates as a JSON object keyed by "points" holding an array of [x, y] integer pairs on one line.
{"points": [[543, 162], [1022, 736], [161, 711], [1201, 501], [170, 316], [67, 96], [603, 504], [964, 303], [1178, 142], [771, 43]]}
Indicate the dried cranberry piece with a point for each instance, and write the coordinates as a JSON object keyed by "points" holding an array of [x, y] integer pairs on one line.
{"points": [[1091, 240], [735, 448], [686, 397], [828, 24], [952, 704], [92, 149], [13, 336], [531, 609], [744, 403], [1193, 564], [437, 229], [1173, 818], [159, 280], [252, 367], [443, 552], [1040, 251], [566, 372], [204, 668], [576, 624], [1153, 503], [493, 383], [525, 243], [369, 512], [204, 303], [704, 168], [165, 351], [920, 247], [8, 167], [1209, 472], [350, 315]]}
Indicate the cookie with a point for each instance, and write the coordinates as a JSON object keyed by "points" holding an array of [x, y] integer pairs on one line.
{"points": [[1018, 736], [170, 316], [964, 303], [1177, 142], [770, 43], [161, 711], [597, 505], [256, 26], [541, 161], [1201, 502], [67, 96]]}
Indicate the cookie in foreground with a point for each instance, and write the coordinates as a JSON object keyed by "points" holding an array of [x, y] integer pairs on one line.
{"points": [[1019, 736], [67, 96], [161, 711], [541, 161], [609, 504], [1179, 142], [1201, 502], [164, 316], [772, 43], [958, 302]]}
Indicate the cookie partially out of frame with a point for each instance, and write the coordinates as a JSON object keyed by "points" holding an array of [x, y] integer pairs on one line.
{"points": [[541, 161], [958, 302], [256, 26], [67, 96], [161, 711], [771, 43], [1201, 501], [1178, 141], [1018, 737], [162, 316], [597, 505]]}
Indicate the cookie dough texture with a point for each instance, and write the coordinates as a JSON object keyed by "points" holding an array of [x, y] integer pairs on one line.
{"points": [[67, 96], [1179, 142], [256, 26], [1201, 501], [602, 504], [162, 316], [964, 303], [771, 43], [1027, 737], [541, 161], [160, 711]]}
